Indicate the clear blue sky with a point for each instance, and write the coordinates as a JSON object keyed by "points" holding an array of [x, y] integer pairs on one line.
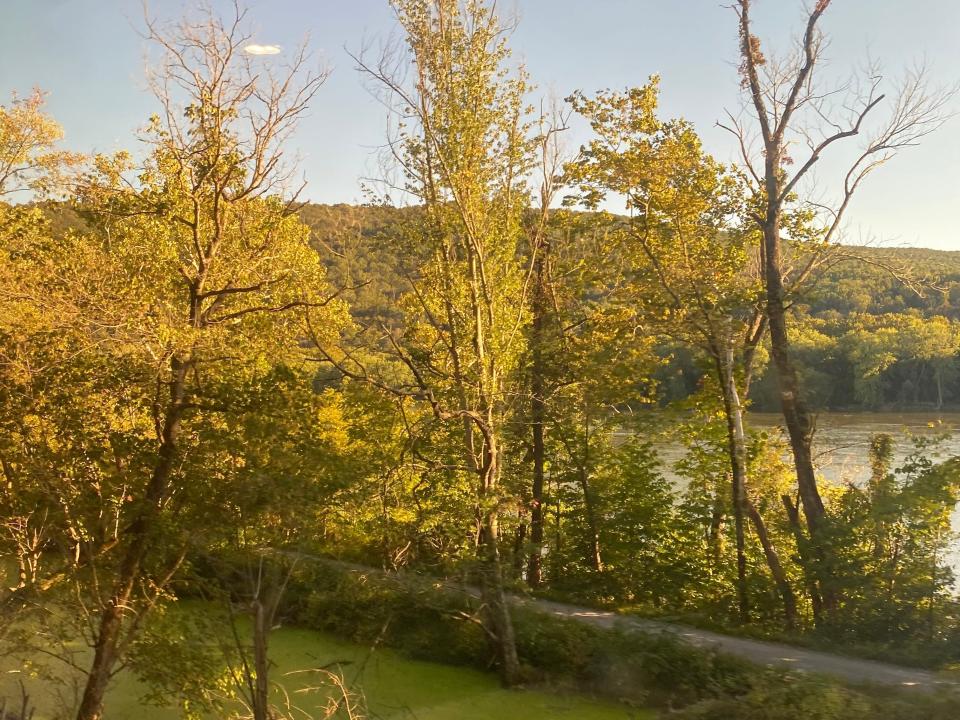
{"points": [[88, 55]]}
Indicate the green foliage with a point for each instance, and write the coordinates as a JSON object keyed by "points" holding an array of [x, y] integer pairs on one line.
{"points": [[179, 658], [419, 621], [893, 536], [793, 698], [164, 409], [641, 532], [431, 623], [423, 620]]}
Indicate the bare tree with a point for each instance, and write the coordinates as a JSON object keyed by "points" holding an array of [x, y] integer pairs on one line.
{"points": [[793, 109]]}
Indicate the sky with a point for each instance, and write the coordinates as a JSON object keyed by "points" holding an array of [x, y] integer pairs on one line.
{"points": [[89, 56]]}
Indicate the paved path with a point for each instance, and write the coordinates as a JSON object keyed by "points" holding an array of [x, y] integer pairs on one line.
{"points": [[758, 651]]}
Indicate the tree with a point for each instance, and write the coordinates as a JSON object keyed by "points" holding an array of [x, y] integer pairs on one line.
{"points": [[29, 158], [691, 263], [780, 93], [463, 150], [538, 234], [195, 278], [590, 370]]}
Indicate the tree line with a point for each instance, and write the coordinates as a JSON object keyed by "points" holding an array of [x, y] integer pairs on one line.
{"points": [[196, 367]]}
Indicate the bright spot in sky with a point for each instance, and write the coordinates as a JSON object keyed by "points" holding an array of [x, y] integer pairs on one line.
{"points": [[262, 49]]}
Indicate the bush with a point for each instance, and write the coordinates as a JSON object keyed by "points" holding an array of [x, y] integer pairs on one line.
{"points": [[787, 699], [412, 616], [423, 624], [423, 621]]}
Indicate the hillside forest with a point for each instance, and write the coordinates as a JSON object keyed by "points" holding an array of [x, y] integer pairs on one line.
{"points": [[214, 394]]}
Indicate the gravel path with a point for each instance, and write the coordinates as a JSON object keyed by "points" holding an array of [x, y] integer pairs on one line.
{"points": [[758, 651]]}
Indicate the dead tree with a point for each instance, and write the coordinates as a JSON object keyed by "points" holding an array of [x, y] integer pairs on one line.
{"points": [[792, 109]]}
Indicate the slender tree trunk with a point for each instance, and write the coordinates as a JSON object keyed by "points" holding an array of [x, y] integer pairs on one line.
{"points": [[111, 617], [261, 662], [797, 416], [104, 658], [793, 515], [497, 610], [736, 445], [537, 414], [754, 337], [519, 541], [776, 568], [939, 377], [557, 526], [596, 556], [716, 531], [920, 397]]}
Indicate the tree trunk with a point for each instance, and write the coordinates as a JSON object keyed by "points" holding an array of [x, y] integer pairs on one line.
{"points": [[537, 413], [496, 610], [939, 376], [758, 329], [793, 515], [519, 541], [98, 676], [797, 416], [261, 662], [596, 558], [736, 445], [111, 618], [716, 532], [776, 569]]}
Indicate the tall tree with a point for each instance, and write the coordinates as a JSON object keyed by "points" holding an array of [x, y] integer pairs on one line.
{"points": [[195, 277], [786, 99], [538, 231], [692, 263], [464, 150]]}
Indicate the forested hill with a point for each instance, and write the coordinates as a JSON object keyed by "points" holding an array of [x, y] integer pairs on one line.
{"points": [[879, 327], [871, 280]]}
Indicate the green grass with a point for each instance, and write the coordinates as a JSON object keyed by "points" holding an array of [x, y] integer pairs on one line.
{"points": [[394, 687]]}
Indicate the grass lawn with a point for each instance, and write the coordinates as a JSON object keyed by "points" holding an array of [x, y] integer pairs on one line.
{"points": [[394, 687]]}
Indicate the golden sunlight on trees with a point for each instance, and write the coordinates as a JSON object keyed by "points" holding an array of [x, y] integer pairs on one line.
{"points": [[523, 411]]}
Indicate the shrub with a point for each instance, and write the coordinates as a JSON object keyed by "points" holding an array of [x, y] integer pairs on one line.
{"points": [[424, 621]]}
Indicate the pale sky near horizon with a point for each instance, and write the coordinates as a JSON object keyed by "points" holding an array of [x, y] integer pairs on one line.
{"points": [[88, 55]]}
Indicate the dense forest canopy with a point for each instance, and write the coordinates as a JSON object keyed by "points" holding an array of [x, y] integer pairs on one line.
{"points": [[876, 330], [217, 401]]}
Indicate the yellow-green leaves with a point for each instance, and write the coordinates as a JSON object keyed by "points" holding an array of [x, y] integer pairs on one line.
{"points": [[691, 255], [29, 160]]}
